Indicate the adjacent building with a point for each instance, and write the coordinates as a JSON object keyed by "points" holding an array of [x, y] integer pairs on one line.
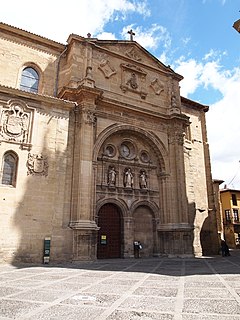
{"points": [[98, 150], [230, 202]]}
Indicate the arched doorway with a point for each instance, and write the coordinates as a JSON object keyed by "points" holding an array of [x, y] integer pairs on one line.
{"points": [[110, 232], [143, 230]]}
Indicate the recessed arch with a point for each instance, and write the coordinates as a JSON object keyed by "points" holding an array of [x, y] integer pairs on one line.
{"points": [[119, 203], [30, 77], [156, 144]]}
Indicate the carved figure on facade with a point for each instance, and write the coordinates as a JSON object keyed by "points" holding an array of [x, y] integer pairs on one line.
{"points": [[174, 106], [143, 179], [128, 178], [15, 123], [37, 164], [157, 86], [106, 68], [112, 176]]}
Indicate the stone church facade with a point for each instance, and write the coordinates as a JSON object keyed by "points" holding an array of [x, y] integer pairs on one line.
{"points": [[98, 149]]}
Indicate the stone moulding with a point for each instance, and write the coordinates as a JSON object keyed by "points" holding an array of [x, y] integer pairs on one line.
{"points": [[83, 225], [175, 227]]}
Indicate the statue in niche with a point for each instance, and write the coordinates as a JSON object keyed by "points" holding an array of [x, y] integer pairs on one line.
{"points": [[143, 180], [128, 178], [112, 176]]}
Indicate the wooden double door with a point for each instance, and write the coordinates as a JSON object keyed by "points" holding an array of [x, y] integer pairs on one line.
{"points": [[110, 232]]}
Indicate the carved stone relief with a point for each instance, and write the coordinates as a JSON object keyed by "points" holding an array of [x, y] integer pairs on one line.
{"points": [[134, 80], [132, 53], [176, 138], [16, 122], [37, 164], [157, 86], [106, 68], [89, 117]]}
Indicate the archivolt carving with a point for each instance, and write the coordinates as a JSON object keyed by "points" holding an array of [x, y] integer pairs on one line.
{"points": [[16, 122]]}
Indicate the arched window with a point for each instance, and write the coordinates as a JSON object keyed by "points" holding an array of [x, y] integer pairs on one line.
{"points": [[29, 80], [9, 168]]}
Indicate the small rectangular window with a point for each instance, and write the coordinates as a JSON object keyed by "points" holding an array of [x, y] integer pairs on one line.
{"points": [[235, 215], [234, 200], [227, 215]]}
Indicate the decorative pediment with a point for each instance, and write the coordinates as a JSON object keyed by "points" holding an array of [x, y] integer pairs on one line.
{"points": [[133, 79], [133, 54], [16, 122]]}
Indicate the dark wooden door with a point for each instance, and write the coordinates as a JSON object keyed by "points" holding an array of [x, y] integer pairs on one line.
{"points": [[109, 234]]}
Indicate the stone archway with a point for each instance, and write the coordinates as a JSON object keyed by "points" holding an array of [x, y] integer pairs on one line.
{"points": [[110, 233], [144, 230]]}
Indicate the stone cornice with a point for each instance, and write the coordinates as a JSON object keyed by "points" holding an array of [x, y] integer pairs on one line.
{"points": [[20, 94], [32, 38]]}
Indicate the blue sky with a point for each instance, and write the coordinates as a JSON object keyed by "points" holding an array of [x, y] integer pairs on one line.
{"points": [[195, 37]]}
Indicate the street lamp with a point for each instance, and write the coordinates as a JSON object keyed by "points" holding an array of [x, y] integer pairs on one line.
{"points": [[236, 25]]}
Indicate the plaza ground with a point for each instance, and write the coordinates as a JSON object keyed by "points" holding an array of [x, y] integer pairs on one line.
{"points": [[205, 288]]}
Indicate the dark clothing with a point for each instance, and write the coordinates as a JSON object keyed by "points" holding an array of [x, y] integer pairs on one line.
{"points": [[224, 249]]}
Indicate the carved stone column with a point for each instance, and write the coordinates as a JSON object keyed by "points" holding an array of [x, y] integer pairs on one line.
{"points": [[82, 201]]}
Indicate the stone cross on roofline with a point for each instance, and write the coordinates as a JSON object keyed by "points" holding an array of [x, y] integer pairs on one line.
{"points": [[131, 34]]}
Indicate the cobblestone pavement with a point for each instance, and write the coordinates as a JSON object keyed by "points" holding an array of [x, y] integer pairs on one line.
{"points": [[160, 288]]}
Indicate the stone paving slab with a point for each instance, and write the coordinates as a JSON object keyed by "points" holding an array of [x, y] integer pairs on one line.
{"points": [[205, 288]]}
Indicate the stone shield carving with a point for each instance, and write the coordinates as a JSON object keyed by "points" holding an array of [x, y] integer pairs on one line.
{"points": [[16, 122], [37, 165]]}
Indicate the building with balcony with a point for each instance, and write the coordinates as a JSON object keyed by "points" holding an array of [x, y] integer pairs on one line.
{"points": [[230, 203]]}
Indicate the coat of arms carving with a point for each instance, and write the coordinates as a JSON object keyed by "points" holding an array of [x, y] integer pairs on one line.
{"points": [[134, 80], [15, 123], [37, 165]]}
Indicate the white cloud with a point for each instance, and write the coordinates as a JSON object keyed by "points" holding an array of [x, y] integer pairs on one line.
{"points": [[106, 36], [191, 70], [81, 16], [149, 38], [223, 123]]}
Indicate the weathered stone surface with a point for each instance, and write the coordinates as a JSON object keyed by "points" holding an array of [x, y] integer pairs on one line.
{"points": [[107, 133]]}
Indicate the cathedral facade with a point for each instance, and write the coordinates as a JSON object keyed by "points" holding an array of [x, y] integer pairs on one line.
{"points": [[98, 151]]}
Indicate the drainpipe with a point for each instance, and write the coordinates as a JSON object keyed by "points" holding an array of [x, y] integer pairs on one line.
{"points": [[57, 72]]}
